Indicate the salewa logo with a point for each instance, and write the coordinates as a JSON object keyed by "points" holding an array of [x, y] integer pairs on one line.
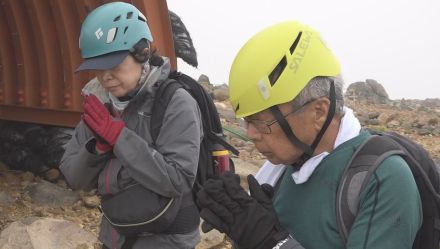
{"points": [[99, 33], [301, 51]]}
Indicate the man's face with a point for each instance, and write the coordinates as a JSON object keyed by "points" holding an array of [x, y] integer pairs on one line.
{"points": [[275, 145], [121, 79]]}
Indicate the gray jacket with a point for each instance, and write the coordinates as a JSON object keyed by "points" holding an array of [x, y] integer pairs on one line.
{"points": [[168, 169]]}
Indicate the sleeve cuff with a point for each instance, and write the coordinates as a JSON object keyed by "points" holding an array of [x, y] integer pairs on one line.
{"points": [[91, 146]]}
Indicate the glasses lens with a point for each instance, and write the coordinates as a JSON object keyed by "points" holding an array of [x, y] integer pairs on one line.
{"points": [[264, 128], [259, 125]]}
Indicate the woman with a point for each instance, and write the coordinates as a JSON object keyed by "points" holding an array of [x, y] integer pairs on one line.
{"points": [[112, 148]]}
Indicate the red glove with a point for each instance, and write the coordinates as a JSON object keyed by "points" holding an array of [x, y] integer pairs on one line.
{"points": [[99, 120]]}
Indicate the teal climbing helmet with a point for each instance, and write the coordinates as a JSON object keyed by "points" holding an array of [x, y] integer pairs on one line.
{"points": [[108, 34]]}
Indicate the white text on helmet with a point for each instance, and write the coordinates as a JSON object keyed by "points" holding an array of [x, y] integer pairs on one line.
{"points": [[298, 56]]}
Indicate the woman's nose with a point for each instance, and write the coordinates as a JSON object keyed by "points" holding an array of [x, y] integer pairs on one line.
{"points": [[104, 74], [107, 75]]}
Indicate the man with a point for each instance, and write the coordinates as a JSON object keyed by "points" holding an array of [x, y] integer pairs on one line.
{"points": [[286, 84]]}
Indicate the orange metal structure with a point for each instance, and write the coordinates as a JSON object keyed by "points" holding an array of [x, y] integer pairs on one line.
{"points": [[39, 53]]}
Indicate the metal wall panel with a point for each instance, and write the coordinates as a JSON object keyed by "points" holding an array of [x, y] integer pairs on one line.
{"points": [[39, 53]]}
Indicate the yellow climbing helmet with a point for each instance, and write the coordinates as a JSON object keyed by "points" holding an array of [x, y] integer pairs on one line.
{"points": [[275, 65]]}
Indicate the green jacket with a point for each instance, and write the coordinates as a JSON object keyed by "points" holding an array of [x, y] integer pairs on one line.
{"points": [[390, 211]]}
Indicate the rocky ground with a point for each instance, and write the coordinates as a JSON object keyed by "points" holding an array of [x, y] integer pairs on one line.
{"points": [[23, 194]]}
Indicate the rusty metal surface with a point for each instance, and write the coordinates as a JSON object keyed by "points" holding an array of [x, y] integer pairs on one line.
{"points": [[39, 53]]}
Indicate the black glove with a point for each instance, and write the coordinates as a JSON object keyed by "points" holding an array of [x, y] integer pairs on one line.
{"points": [[250, 221]]}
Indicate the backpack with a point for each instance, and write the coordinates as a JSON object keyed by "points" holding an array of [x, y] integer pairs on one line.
{"points": [[136, 209], [361, 167], [213, 137]]}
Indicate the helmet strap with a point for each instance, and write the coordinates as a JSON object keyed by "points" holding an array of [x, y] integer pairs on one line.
{"points": [[330, 115], [308, 149], [288, 131]]}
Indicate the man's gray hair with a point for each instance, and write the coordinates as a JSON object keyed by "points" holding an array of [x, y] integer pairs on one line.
{"points": [[320, 87]]}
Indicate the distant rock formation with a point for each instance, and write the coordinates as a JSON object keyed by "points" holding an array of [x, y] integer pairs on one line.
{"points": [[369, 91], [431, 103], [221, 93], [203, 79]]}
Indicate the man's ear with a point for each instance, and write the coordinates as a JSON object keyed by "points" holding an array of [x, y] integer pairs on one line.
{"points": [[321, 107]]}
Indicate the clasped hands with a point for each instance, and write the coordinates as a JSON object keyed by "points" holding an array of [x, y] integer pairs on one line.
{"points": [[106, 128]]}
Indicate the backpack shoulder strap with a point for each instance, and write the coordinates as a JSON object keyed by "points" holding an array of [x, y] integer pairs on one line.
{"points": [[365, 160], [211, 122], [162, 98]]}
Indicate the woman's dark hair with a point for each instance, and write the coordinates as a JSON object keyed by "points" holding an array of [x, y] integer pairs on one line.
{"points": [[143, 52]]}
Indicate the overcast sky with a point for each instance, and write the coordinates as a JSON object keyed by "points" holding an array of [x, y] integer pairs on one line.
{"points": [[396, 42]]}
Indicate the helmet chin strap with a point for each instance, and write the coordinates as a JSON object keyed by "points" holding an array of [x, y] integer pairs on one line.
{"points": [[288, 131], [308, 149]]}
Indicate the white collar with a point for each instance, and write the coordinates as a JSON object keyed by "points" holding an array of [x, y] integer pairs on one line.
{"points": [[348, 129]]}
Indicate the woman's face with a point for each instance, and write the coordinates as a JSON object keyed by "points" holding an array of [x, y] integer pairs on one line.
{"points": [[121, 79]]}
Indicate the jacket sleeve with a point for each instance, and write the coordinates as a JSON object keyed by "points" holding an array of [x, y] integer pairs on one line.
{"points": [[390, 211], [170, 168], [79, 166]]}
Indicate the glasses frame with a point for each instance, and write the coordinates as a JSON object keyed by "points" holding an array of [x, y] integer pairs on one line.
{"points": [[259, 123]]}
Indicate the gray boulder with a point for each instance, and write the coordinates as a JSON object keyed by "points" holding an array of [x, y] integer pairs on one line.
{"points": [[221, 93], [203, 79], [370, 92], [46, 233], [46, 193]]}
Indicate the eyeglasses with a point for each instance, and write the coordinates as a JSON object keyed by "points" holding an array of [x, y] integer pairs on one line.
{"points": [[264, 126]]}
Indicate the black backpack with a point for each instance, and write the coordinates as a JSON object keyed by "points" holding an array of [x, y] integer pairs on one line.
{"points": [[213, 139], [363, 164]]}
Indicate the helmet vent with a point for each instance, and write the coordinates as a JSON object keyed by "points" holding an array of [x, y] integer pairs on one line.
{"points": [[117, 18], [141, 17], [129, 15], [238, 107], [277, 71], [295, 43], [125, 29], [111, 35]]}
